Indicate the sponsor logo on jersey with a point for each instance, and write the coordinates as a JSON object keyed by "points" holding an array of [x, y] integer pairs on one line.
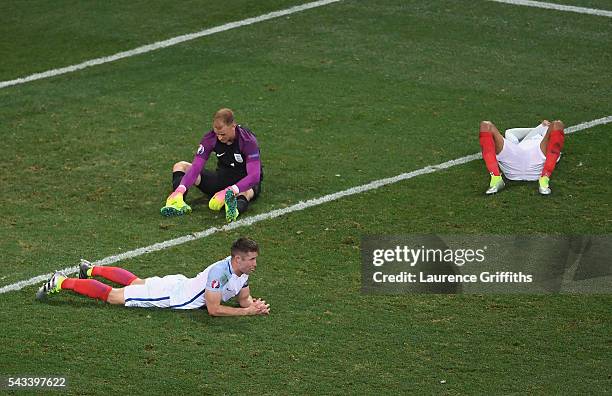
{"points": [[238, 158], [220, 155], [200, 150], [215, 284]]}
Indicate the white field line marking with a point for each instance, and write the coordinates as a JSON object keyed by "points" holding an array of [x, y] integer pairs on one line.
{"points": [[558, 7], [279, 212], [166, 43], [232, 25]]}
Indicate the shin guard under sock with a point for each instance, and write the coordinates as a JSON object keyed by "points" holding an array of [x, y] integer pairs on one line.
{"points": [[553, 150], [87, 287], [114, 274], [488, 152]]}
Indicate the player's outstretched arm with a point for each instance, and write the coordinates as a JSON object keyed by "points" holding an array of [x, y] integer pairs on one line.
{"points": [[215, 308]]}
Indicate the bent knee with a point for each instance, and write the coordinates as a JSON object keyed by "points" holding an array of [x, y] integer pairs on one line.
{"points": [[181, 166], [248, 194], [116, 297], [486, 126], [557, 125]]}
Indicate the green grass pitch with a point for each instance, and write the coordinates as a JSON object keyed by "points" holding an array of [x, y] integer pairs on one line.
{"points": [[338, 96]]}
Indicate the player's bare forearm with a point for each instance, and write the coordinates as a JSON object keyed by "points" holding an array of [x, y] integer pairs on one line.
{"points": [[244, 297], [257, 307], [223, 310], [245, 302]]}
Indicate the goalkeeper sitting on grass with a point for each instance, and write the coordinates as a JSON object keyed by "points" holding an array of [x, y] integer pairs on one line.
{"points": [[237, 179]]}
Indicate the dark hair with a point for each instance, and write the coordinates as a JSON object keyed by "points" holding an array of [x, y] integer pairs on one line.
{"points": [[244, 245]]}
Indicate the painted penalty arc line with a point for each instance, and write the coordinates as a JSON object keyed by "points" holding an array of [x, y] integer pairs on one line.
{"points": [[280, 212], [249, 21]]}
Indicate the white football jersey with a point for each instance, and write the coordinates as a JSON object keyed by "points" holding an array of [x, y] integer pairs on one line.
{"points": [[188, 293]]}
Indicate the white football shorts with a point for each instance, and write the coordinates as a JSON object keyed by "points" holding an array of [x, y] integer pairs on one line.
{"points": [[522, 161], [155, 292]]}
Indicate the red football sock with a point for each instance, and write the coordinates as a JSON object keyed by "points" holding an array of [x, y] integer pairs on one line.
{"points": [[87, 287], [553, 150], [488, 152], [114, 274]]}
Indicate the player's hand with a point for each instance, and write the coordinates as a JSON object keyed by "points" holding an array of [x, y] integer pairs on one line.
{"points": [[218, 199], [220, 195], [217, 202], [176, 198], [259, 307], [545, 122]]}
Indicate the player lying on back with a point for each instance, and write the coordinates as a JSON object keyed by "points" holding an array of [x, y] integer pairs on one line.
{"points": [[218, 283], [237, 179], [523, 154]]}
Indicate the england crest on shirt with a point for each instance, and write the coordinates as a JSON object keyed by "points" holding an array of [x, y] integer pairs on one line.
{"points": [[238, 158]]}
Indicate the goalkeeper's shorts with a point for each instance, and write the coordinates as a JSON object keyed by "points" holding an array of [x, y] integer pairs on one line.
{"points": [[213, 182]]}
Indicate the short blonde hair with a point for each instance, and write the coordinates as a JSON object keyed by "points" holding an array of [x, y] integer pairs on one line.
{"points": [[225, 115]]}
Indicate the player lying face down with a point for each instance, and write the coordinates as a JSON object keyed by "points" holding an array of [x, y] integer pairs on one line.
{"points": [[218, 283]]}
